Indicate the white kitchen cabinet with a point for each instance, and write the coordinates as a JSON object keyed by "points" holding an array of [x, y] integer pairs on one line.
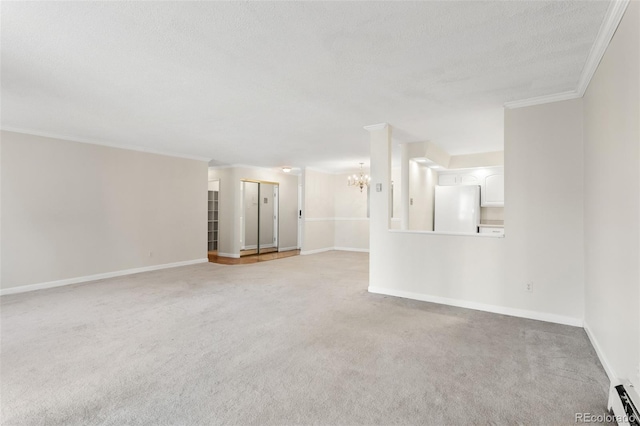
{"points": [[490, 179], [493, 193], [447, 179], [465, 178], [469, 179]]}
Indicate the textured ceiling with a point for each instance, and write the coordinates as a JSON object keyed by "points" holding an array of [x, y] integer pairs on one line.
{"points": [[271, 83]]}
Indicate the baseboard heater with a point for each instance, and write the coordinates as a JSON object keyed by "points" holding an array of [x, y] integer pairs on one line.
{"points": [[623, 404]]}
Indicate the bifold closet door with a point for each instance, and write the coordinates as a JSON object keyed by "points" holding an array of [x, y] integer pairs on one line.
{"points": [[259, 217], [268, 211], [250, 215]]}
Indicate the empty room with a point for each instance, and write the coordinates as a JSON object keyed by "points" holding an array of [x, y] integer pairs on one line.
{"points": [[330, 213]]}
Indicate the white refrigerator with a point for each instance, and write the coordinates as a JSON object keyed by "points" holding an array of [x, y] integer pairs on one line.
{"points": [[457, 209]]}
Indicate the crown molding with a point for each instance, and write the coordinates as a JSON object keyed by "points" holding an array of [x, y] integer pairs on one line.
{"points": [[610, 23], [102, 143], [538, 100], [607, 29], [374, 127]]}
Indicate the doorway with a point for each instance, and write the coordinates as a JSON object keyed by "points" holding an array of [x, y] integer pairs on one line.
{"points": [[259, 217]]}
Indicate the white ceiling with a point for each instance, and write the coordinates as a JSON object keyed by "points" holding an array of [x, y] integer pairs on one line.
{"points": [[285, 83]]}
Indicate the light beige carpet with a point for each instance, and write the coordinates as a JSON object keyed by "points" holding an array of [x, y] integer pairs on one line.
{"points": [[292, 341]]}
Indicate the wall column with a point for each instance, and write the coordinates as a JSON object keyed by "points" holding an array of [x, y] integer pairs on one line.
{"points": [[379, 202], [404, 186]]}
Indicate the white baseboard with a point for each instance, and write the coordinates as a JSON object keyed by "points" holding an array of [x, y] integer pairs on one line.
{"points": [[603, 359], [232, 255], [359, 250], [87, 278], [322, 250], [287, 248], [522, 313]]}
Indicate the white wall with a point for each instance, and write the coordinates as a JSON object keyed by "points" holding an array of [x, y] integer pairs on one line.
{"points": [[544, 195], [422, 181], [318, 211], [335, 215], [491, 214], [230, 205], [73, 210], [350, 212], [396, 217], [543, 215], [612, 202]]}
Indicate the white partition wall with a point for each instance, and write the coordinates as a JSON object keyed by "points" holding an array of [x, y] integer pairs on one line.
{"points": [[543, 242], [612, 202]]}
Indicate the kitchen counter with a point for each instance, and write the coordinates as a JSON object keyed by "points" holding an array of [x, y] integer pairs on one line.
{"points": [[492, 224]]}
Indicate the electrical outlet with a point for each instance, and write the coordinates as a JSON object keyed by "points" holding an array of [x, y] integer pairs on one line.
{"points": [[150, 254], [529, 286]]}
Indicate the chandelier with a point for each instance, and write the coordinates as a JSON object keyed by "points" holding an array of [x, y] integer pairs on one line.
{"points": [[359, 181]]}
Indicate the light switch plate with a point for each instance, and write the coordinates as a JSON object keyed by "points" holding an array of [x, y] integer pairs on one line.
{"points": [[378, 187]]}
